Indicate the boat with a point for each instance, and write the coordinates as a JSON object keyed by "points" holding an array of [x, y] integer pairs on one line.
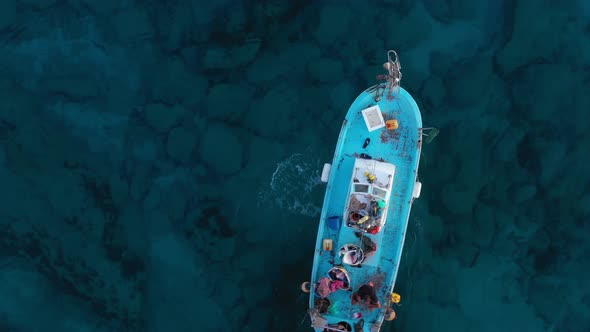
{"points": [[371, 185]]}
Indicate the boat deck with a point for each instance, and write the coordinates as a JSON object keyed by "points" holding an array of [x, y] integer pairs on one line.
{"points": [[400, 147]]}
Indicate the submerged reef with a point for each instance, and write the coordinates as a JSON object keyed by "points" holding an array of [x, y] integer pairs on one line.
{"points": [[160, 161]]}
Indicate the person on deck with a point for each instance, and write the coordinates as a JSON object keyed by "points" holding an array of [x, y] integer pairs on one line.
{"points": [[366, 295]]}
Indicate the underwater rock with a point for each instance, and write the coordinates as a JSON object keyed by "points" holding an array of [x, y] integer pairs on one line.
{"points": [[162, 117], [438, 9], [17, 105], [335, 20], [536, 88], [76, 89], [69, 186], [472, 80], [289, 63], [325, 70], [146, 150], [100, 131], [458, 198], [583, 208], [415, 72], [249, 262], [486, 219], [273, 115], [435, 229], [257, 292], [174, 82], [524, 193], [434, 92], [225, 249], [39, 3], [337, 91], [538, 41], [132, 25], [139, 181], [119, 189], [447, 11], [64, 259], [236, 20], [228, 102], [229, 290], [29, 292], [449, 317], [267, 67], [407, 30], [210, 317], [7, 13], [221, 149], [467, 253], [239, 314], [134, 230], [446, 165], [175, 200], [102, 7], [505, 303], [441, 62], [211, 222], [550, 165], [442, 288], [175, 22], [153, 199], [270, 10], [173, 299], [506, 148], [231, 57], [181, 144]]}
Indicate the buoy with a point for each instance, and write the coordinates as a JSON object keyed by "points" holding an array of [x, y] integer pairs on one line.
{"points": [[389, 314], [417, 189], [306, 287], [391, 124], [395, 298]]}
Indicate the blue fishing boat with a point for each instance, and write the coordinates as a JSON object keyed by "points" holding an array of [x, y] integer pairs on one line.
{"points": [[371, 184]]}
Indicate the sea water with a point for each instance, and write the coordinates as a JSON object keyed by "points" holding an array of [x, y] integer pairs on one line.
{"points": [[160, 161]]}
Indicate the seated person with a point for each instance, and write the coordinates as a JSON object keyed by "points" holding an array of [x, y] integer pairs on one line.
{"points": [[367, 245], [340, 279], [341, 326], [366, 295], [325, 286]]}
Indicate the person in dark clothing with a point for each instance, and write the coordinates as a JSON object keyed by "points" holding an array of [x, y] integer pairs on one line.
{"points": [[341, 326], [367, 245], [366, 295]]}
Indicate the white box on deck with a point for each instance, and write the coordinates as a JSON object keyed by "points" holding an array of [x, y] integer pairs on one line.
{"points": [[373, 118]]}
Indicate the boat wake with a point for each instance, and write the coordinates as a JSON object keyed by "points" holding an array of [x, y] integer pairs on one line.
{"points": [[292, 185]]}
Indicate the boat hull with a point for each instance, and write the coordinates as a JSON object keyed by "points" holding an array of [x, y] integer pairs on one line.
{"points": [[400, 147]]}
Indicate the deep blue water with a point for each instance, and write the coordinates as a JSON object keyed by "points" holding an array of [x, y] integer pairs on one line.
{"points": [[160, 160]]}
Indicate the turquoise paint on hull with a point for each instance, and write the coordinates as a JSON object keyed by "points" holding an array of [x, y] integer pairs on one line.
{"points": [[401, 148]]}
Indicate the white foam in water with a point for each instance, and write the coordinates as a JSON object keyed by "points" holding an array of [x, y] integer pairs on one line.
{"points": [[292, 183]]}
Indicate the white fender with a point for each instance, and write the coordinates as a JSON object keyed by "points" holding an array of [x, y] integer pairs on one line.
{"points": [[326, 172], [417, 189]]}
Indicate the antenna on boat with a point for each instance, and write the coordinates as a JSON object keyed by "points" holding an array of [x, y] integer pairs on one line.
{"points": [[392, 78]]}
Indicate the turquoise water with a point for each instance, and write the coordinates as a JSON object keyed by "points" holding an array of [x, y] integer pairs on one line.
{"points": [[160, 161]]}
